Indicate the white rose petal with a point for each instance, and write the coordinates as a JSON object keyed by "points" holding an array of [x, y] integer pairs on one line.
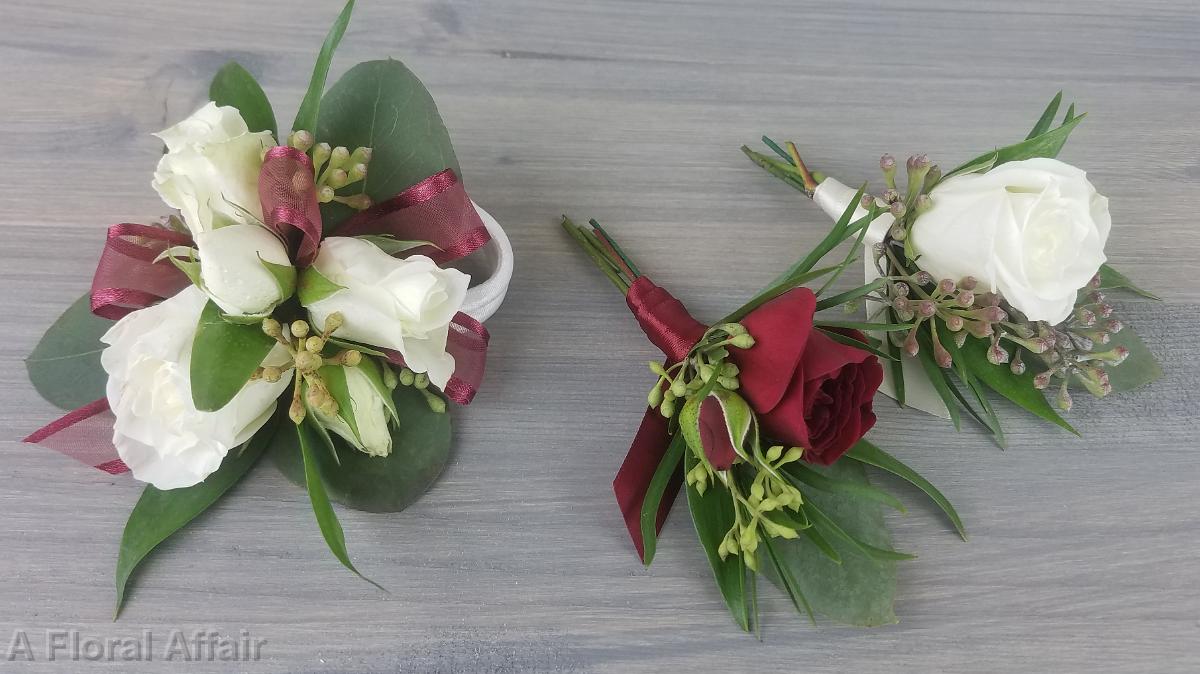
{"points": [[1032, 230], [401, 304], [210, 171], [159, 433], [232, 270]]}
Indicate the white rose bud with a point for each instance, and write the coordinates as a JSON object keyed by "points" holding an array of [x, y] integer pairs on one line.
{"points": [[233, 273], [1032, 230], [369, 410], [210, 171], [158, 432], [400, 304]]}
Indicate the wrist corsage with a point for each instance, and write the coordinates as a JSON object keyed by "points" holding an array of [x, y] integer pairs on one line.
{"points": [[320, 300]]}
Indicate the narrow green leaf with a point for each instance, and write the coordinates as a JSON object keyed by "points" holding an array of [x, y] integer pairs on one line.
{"points": [[826, 524], [867, 453], [306, 116], [894, 364], [327, 520], [1112, 279], [1018, 388], [313, 286], [667, 468], [822, 544], [936, 376], [159, 513], [979, 391], [783, 171], [842, 298], [65, 365], [224, 356], [777, 288], [801, 473], [841, 338], [862, 325], [233, 85], [789, 582], [1047, 118], [1046, 145], [712, 515]]}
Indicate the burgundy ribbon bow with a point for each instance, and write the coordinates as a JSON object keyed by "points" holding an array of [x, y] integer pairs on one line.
{"points": [[129, 278]]}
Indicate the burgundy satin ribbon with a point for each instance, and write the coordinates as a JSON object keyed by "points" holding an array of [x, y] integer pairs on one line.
{"points": [[672, 329], [127, 278]]}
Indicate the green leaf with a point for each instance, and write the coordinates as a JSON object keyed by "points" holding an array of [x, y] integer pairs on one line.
{"points": [[862, 325], [894, 364], [65, 365], [314, 286], [1018, 388], [1046, 145], [777, 288], [816, 480], [842, 298], [284, 275], [937, 378], [393, 246], [331, 528], [335, 379], [784, 171], [420, 450], [827, 526], [867, 453], [382, 105], [224, 356], [1139, 368], [712, 515], [306, 116], [859, 590], [158, 513], [1112, 279], [1047, 118], [823, 544], [374, 374], [667, 468], [841, 338], [233, 85]]}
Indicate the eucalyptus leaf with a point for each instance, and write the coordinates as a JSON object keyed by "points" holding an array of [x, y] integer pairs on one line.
{"points": [[667, 469], [1112, 279], [160, 513], [224, 357], [865, 452], [64, 367], [420, 450], [382, 105], [306, 115], [1139, 368], [858, 591], [712, 515], [233, 85]]}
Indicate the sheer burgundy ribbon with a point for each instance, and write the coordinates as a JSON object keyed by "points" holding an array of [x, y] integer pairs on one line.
{"points": [[672, 329], [128, 278]]}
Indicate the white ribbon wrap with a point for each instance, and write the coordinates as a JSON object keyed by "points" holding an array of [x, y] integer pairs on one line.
{"points": [[491, 269], [833, 197]]}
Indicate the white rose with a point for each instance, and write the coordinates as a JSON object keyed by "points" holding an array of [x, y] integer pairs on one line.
{"points": [[210, 170], [400, 304], [1032, 230], [365, 424], [233, 273], [159, 433]]}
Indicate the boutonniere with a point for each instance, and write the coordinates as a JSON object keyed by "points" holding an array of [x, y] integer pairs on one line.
{"points": [[761, 416], [319, 299], [999, 266]]}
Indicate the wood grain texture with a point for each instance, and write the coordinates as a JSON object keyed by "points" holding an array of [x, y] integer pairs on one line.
{"points": [[1083, 552]]}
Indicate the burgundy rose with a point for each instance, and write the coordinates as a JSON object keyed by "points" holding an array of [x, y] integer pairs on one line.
{"points": [[808, 390]]}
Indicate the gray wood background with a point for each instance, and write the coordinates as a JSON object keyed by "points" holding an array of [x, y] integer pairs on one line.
{"points": [[1083, 554]]}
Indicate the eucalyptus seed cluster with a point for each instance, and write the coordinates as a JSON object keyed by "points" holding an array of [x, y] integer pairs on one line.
{"points": [[1076, 348], [416, 380], [335, 168], [306, 352], [705, 362], [762, 509]]}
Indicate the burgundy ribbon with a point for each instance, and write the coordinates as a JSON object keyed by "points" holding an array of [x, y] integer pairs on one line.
{"points": [[672, 329], [128, 278]]}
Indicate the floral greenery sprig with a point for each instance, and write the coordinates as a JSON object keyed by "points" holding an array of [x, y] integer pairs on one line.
{"points": [[976, 329], [768, 491]]}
